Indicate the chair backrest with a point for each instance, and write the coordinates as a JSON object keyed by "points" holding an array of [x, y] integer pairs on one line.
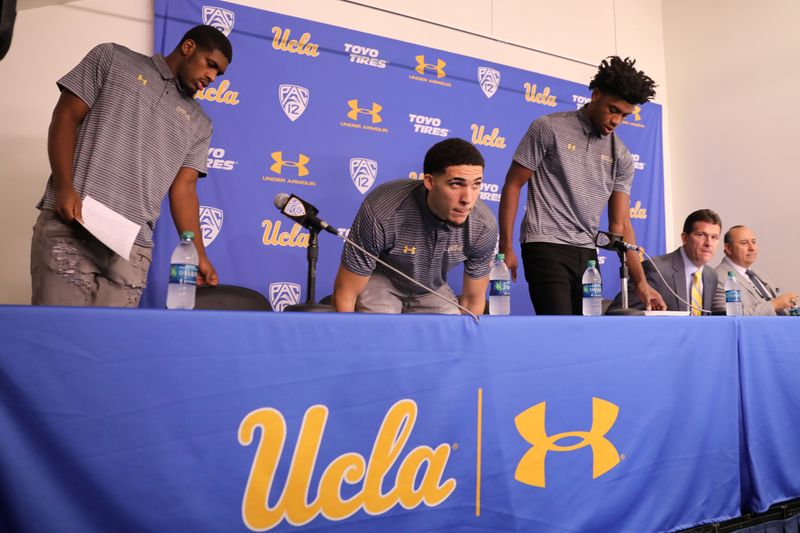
{"points": [[231, 298]]}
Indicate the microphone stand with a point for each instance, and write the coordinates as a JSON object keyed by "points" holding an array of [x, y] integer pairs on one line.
{"points": [[623, 275], [312, 255]]}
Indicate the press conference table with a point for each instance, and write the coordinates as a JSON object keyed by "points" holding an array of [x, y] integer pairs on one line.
{"points": [[150, 420]]}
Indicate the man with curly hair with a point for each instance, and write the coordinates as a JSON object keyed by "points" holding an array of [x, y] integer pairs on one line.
{"points": [[574, 166]]}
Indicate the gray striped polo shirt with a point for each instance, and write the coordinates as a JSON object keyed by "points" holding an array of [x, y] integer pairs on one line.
{"points": [[140, 130], [395, 223], [575, 173]]}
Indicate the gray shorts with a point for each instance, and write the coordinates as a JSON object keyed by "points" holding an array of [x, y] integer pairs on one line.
{"points": [[380, 296], [71, 267]]}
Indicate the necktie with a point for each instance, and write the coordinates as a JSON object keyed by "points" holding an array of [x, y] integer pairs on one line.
{"points": [[761, 288], [697, 296]]}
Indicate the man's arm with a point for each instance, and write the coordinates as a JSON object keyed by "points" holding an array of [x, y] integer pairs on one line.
{"points": [[619, 222], [185, 208], [473, 294], [516, 177], [346, 289], [61, 139]]}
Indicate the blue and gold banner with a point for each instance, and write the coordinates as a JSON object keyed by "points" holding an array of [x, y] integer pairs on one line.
{"points": [[237, 421], [327, 113]]}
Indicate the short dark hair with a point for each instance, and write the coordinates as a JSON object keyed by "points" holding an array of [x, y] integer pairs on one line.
{"points": [[619, 77], [451, 152], [209, 38], [701, 215], [728, 239]]}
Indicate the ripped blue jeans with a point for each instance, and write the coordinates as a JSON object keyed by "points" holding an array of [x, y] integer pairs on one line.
{"points": [[71, 267]]}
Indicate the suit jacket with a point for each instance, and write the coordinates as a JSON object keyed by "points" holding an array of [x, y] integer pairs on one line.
{"points": [[752, 302], [671, 267]]}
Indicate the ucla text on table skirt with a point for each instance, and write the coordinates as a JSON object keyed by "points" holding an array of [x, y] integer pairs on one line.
{"points": [[144, 420], [328, 114]]}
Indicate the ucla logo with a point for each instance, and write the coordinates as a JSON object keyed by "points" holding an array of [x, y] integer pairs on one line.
{"points": [[493, 139], [283, 294], [363, 173], [294, 100], [416, 175], [280, 162], [219, 18], [531, 425], [542, 98], [302, 46], [373, 112], [219, 94], [210, 223], [420, 477], [638, 212], [273, 236], [437, 67], [489, 80]]}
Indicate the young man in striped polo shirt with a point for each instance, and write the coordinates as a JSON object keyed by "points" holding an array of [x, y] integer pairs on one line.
{"points": [[126, 131], [424, 229], [574, 166]]}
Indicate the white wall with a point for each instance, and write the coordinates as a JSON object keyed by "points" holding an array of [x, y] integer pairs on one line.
{"points": [[48, 41], [733, 73]]}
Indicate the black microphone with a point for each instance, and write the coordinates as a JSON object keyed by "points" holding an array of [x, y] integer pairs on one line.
{"points": [[302, 212], [612, 241]]}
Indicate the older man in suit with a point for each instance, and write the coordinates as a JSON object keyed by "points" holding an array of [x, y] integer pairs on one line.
{"points": [[759, 294], [686, 277]]}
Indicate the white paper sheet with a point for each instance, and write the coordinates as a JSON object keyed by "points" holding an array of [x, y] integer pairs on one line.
{"points": [[110, 228], [666, 313]]}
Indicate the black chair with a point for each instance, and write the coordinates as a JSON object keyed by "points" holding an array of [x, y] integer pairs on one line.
{"points": [[230, 298]]}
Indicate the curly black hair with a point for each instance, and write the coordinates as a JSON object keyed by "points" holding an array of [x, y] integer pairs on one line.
{"points": [[451, 152], [619, 77]]}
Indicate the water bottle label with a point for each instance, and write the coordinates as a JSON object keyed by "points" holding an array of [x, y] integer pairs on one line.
{"points": [[733, 296], [183, 274], [500, 287], [592, 290]]}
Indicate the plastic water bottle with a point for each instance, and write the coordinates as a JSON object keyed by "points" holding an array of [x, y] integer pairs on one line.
{"points": [[183, 274], [733, 296], [499, 287], [592, 290]]}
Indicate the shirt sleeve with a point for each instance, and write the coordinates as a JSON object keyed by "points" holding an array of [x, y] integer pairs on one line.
{"points": [[197, 157], [535, 144], [366, 232], [623, 180], [479, 261], [86, 80]]}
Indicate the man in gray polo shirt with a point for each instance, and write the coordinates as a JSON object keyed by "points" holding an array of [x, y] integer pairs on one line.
{"points": [[574, 166], [424, 229], [126, 130]]}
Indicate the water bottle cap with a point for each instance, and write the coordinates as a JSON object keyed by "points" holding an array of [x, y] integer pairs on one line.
{"points": [[591, 263], [731, 274], [187, 236], [500, 257]]}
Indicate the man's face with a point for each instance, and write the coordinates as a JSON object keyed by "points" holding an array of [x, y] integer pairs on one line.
{"points": [[701, 243], [743, 249], [199, 67], [452, 194], [606, 111]]}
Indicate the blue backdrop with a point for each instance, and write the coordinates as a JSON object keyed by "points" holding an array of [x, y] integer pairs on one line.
{"points": [[327, 113]]}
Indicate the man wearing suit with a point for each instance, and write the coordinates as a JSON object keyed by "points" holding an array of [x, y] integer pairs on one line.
{"points": [[684, 270], [759, 294]]}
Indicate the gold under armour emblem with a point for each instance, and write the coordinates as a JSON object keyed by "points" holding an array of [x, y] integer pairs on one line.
{"points": [[571, 147], [142, 79], [409, 250]]}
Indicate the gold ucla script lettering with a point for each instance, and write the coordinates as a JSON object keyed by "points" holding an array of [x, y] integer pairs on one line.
{"points": [[351, 468], [302, 46], [273, 236], [219, 94], [637, 211], [479, 136], [544, 97]]}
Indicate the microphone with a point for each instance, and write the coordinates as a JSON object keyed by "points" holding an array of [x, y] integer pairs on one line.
{"points": [[612, 241], [302, 212]]}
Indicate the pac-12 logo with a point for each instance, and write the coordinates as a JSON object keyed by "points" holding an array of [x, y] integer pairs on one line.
{"points": [[363, 173], [293, 99], [489, 80], [219, 18], [531, 425], [210, 223], [294, 208], [283, 294]]}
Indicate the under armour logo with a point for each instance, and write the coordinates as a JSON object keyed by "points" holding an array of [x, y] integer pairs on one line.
{"points": [[571, 147], [300, 164], [355, 110], [531, 425], [438, 67], [637, 116], [142, 79], [409, 250]]}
